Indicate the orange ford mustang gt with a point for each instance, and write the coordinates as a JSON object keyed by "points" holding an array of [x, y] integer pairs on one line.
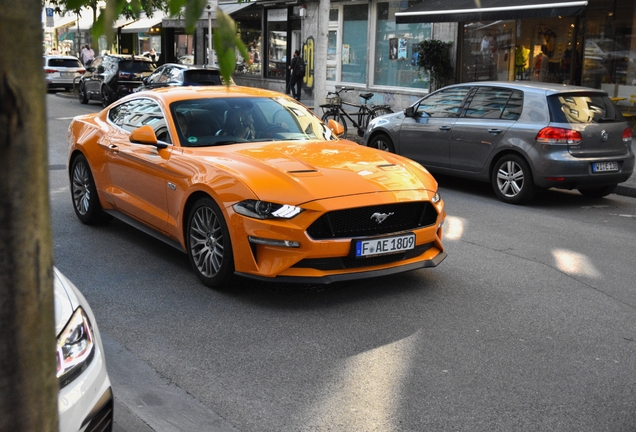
{"points": [[250, 182]]}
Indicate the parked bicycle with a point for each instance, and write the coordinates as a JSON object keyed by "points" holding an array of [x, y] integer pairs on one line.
{"points": [[360, 119]]}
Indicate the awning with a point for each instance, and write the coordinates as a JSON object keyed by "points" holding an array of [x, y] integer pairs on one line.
{"points": [[143, 25], [429, 11], [230, 8], [202, 22]]}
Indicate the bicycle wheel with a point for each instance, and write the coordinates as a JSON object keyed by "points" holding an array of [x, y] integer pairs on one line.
{"points": [[335, 115], [377, 112]]}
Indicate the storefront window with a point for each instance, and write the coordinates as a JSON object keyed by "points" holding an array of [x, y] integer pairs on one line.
{"points": [[184, 48], [332, 59], [489, 53], [524, 50], [609, 60], [249, 27], [277, 42], [396, 49], [354, 43]]}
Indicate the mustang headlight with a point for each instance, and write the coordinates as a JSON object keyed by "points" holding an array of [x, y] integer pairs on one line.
{"points": [[75, 348], [435, 199], [266, 210]]}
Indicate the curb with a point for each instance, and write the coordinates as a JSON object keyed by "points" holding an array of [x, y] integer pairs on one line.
{"points": [[628, 191]]}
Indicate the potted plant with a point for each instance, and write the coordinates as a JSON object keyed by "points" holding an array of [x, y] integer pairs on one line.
{"points": [[434, 58]]}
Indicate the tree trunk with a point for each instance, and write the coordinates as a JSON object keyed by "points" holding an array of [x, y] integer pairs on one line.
{"points": [[28, 387]]}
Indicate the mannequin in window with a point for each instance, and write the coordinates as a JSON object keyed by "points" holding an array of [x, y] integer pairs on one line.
{"points": [[540, 71], [487, 45], [521, 61]]}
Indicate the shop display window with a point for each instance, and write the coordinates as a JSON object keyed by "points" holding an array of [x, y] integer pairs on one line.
{"points": [[354, 43], [489, 52], [277, 43], [250, 30], [396, 48]]}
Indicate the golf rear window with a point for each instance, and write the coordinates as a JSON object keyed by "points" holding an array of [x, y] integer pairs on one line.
{"points": [[582, 108]]}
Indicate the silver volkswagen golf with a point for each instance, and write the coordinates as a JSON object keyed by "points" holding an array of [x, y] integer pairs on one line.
{"points": [[519, 136]]}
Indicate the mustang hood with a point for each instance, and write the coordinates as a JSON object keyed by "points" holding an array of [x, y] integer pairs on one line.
{"points": [[297, 172]]}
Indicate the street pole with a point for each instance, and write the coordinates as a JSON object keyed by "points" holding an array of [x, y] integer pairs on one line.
{"points": [[211, 8]]}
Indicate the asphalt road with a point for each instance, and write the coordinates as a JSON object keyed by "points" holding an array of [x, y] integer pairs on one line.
{"points": [[528, 325]]}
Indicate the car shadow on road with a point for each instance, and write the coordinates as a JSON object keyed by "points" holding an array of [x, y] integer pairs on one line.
{"points": [[544, 198]]}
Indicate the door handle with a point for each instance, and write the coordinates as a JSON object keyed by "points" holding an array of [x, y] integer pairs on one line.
{"points": [[444, 128], [494, 131], [113, 148]]}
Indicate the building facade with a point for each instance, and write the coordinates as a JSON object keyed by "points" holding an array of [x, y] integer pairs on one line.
{"points": [[371, 46]]}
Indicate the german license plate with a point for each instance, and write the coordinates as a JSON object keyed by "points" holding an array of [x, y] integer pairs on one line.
{"points": [[604, 166], [384, 245], [67, 74]]}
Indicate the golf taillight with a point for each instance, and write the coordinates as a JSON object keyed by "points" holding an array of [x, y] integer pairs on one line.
{"points": [[50, 70], [555, 135], [627, 135]]}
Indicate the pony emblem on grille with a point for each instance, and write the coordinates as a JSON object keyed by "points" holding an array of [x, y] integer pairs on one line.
{"points": [[380, 217]]}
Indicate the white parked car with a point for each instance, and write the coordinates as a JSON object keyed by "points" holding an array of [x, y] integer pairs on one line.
{"points": [[85, 399], [62, 71]]}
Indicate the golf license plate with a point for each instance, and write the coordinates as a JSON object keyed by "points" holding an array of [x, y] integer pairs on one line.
{"points": [[604, 166], [384, 245]]}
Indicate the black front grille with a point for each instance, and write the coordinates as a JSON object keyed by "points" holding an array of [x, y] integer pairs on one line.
{"points": [[103, 420], [357, 222]]}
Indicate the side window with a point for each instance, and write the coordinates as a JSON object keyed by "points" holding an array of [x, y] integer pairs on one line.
{"points": [[446, 103], [118, 114], [495, 103], [514, 106], [175, 74], [155, 76], [140, 112], [165, 75], [97, 62]]}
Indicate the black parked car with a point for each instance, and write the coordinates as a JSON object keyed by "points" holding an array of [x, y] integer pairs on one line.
{"points": [[112, 76], [173, 74]]}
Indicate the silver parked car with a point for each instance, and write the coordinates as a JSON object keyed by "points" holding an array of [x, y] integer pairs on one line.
{"points": [[519, 136]]}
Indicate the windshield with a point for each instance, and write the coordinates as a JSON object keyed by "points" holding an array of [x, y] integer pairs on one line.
{"points": [[220, 121]]}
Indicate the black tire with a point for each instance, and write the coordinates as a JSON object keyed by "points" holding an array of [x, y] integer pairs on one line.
{"points": [[377, 112], [84, 193], [598, 192], [208, 243], [106, 96], [335, 115], [81, 94], [382, 142], [512, 180]]}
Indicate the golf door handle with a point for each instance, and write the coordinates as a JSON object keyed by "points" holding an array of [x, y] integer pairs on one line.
{"points": [[494, 131], [444, 128]]}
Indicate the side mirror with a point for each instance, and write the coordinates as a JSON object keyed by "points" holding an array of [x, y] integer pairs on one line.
{"points": [[145, 135], [410, 111], [90, 69], [100, 69], [335, 127]]}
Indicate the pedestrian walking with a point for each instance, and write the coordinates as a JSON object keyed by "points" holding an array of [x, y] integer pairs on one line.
{"points": [[297, 72], [88, 55]]}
